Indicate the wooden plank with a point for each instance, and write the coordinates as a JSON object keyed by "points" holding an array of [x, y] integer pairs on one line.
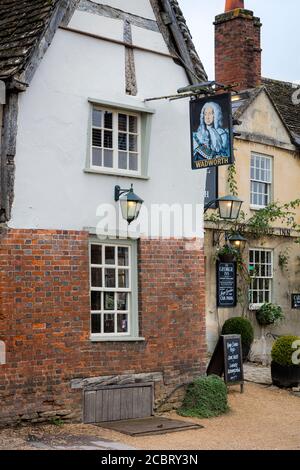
{"points": [[126, 403], [105, 404], [89, 407], [115, 409], [136, 402], [98, 411], [146, 402], [8, 151]]}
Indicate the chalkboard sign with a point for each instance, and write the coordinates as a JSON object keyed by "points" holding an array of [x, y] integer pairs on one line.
{"points": [[226, 285], [296, 301], [227, 360]]}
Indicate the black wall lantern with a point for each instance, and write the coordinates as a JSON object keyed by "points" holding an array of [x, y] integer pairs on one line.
{"points": [[237, 240], [229, 207], [130, 203]]}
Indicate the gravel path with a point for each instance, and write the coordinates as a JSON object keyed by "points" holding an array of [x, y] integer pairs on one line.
{"points": [[262, 418]]}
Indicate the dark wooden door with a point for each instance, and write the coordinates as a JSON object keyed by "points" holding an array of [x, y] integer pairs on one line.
{"points": [[117, 403]]}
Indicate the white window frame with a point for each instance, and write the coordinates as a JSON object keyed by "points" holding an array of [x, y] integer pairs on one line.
{"points": [[269, 182], [115, 142], [133, 330], [145, 115], [253, 305]]}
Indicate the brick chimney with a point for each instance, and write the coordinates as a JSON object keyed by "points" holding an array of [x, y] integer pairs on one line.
{"points": [[237, 46]]}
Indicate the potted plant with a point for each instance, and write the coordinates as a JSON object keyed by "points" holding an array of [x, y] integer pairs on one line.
{"points": [[227, 254], [284, 368], [268, 314], [240, 326]]}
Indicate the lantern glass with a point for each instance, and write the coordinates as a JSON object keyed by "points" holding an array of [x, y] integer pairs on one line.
{"points": [[238, 241], [229, 207], [130, 206]]}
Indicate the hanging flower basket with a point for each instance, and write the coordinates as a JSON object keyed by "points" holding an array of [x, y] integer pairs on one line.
{"points": [[226, 254], [269, 314]]}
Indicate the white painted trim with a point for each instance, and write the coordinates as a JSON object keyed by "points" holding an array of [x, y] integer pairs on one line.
{"points": [[140, 108], [112, 173], [103, 339], [117, 235]]}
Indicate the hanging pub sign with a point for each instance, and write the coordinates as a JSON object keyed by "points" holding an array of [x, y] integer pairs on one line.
{"points": [[211, 131]]}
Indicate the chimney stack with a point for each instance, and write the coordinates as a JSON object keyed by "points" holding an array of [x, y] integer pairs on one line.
{"points": [[237, 47]]}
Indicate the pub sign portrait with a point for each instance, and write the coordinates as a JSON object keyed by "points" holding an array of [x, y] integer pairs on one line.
{"points": [[211, 131]]}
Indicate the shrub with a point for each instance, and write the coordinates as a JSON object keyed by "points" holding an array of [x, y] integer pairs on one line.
{"points": [[206, 397], [269, 314], [282, 350], [239, 326]]}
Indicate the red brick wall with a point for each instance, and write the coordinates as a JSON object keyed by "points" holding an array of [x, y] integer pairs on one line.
{"points": [[45, 318], [238, 49]]}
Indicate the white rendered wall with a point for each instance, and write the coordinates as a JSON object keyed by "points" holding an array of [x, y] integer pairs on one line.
{"points": [[136, 7], [95, 24], [51, 189]]}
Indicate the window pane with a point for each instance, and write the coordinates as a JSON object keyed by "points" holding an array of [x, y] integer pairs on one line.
{"points": [[122, 161], [109, 301], [133, 124], [133, 143], [133, 162], [97, 117], [108, 158], [96, 277], [123, 278], [110, 255], [109, 323], [122, 323], [122, 141], [110, 278], [97, 138], [122, 122], [122, 303], [96, 323], [108, 140], [96, 254], [95, 300], [97, 156], [123, 256], [108, 120]]}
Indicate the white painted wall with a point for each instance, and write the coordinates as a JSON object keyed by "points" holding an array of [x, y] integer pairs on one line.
{"points": [[51, 189], [137, 7], [96, 24]]}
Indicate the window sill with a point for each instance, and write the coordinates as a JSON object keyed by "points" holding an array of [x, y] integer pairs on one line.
{"points": [[103, 339], [112, 173], [257, 208], [255, 307]]}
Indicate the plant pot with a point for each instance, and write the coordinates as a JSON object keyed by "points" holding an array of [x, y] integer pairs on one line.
{"points": [[226, 258], [285, 376]]}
